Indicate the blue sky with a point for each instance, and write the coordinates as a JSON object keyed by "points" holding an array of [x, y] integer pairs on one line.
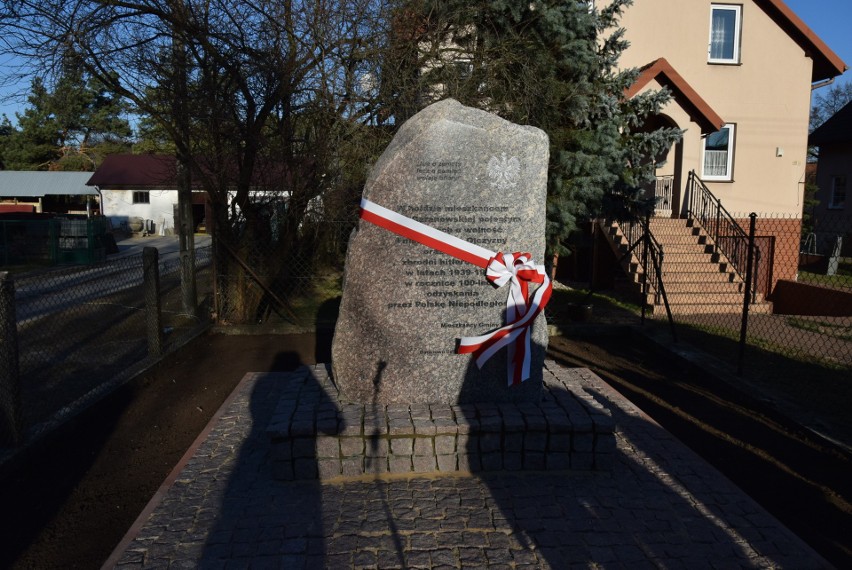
{"points": [[830, 19]]}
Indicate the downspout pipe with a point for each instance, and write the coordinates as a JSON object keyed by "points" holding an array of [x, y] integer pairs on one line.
{"points": [[815, 86]]}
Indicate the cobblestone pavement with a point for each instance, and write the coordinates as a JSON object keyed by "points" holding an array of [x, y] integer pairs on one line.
{"points": [[661, 506]]}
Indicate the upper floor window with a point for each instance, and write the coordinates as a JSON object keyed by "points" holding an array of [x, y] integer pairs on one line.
{"points": [[141, 197], [838, 193], [725, 25], [719, 154]]}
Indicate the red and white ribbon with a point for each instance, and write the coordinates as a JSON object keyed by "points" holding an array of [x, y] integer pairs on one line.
{"points": [[515, 269]]}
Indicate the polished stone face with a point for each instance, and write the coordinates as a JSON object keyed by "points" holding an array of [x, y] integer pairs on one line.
{"points": [[480, 178]]}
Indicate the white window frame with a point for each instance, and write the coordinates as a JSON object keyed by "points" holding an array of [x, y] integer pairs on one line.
{"points": [[737, 9], [836, 182], [729, 162]]}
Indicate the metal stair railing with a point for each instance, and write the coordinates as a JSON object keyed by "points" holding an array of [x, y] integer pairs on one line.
{"points": [[650, 256], [634, 231], [728, 237]]}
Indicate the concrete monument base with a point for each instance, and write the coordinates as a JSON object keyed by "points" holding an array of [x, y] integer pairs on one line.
{"points": [[315, 435]]}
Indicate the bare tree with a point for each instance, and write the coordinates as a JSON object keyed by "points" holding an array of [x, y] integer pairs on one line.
{"points": [[255, 96], [826, 103]]}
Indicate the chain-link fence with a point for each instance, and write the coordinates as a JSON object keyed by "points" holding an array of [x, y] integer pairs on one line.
{"points": [[779, 320], [798, 284], [294, 281], [47, 240], [79, 330]]}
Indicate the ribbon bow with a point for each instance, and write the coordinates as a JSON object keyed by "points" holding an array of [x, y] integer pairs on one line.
{"points": [[500, 269], [518, 270]]}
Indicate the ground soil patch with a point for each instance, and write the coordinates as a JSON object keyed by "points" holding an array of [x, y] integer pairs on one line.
{"points": [[69, 500]]}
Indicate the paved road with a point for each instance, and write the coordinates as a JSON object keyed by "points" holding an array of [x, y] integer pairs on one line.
{"points": [[168, 246], [45, 293], [661, 506]]}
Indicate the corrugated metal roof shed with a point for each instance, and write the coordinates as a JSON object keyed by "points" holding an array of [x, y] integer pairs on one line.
{"points": [[21, 184]]}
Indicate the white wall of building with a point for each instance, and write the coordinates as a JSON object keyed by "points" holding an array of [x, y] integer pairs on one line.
{"points": [[119, 207]]}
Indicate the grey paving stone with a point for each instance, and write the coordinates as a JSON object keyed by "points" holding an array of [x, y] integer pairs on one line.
{"points": [[351, 446], [352, 466], [399, 463], [513, 460], [424, 464], [445, 426], [534, 460], [582, 461], [490, 442], [535, 441], [402, 446], [447, 463], [561, 460], [582, 442], [424, 446], [282, 470], [445, 444], [492, 461], [424, 427], [327, 447], [304, 468], [377, 447], [304, 447], [660, 506]]}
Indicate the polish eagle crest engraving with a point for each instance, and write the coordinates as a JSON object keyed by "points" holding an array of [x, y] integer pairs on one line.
{"points": [[504, 172]]}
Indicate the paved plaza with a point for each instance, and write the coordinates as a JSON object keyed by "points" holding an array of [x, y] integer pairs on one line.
{"points": [[660, 506]]}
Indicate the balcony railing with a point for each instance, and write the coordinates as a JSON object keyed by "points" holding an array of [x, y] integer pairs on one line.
{"points": [[663, 190]]}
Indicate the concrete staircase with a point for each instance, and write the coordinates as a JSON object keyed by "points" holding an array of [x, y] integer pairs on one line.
{"points": [[695, 279]]}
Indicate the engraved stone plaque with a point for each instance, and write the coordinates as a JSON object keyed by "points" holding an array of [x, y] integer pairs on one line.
{"points": [[478, 177]]}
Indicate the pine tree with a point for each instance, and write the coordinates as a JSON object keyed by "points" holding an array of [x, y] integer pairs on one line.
{"points": [[71, 127]]}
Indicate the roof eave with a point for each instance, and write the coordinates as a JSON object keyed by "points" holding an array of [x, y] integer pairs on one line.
{"points": [[698, 109], [826, 63]]}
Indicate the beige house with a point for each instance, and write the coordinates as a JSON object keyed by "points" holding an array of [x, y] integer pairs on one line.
{"points": [[741, 74]]}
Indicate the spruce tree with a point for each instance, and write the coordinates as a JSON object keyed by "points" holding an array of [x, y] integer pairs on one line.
{"points": [[551, 64]]}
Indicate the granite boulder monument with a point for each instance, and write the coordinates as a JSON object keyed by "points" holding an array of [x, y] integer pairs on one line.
{"points": [[454, 187]]}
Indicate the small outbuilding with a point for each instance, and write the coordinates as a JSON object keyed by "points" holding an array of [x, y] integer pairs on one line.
{"points": [[139, 193], [47, 192], [50, 217]]}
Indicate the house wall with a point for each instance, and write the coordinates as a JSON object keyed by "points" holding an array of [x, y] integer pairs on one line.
{"points": [[784, 234], [834, 160], [119, 207], [767, 96]]}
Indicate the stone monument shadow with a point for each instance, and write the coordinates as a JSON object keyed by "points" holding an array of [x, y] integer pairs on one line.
{"points": [[324, 323], [505, 450], [257, 518]]}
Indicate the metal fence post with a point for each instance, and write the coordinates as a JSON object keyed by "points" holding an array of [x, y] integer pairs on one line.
{"points": [[10, 386], [747, 292], [153, 311]]}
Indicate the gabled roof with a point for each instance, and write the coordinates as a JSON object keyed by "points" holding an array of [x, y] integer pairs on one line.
{"points": [[159, 172], [684, 95], [123, 171], [837, 129], [827, 64], [34, 184]]}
